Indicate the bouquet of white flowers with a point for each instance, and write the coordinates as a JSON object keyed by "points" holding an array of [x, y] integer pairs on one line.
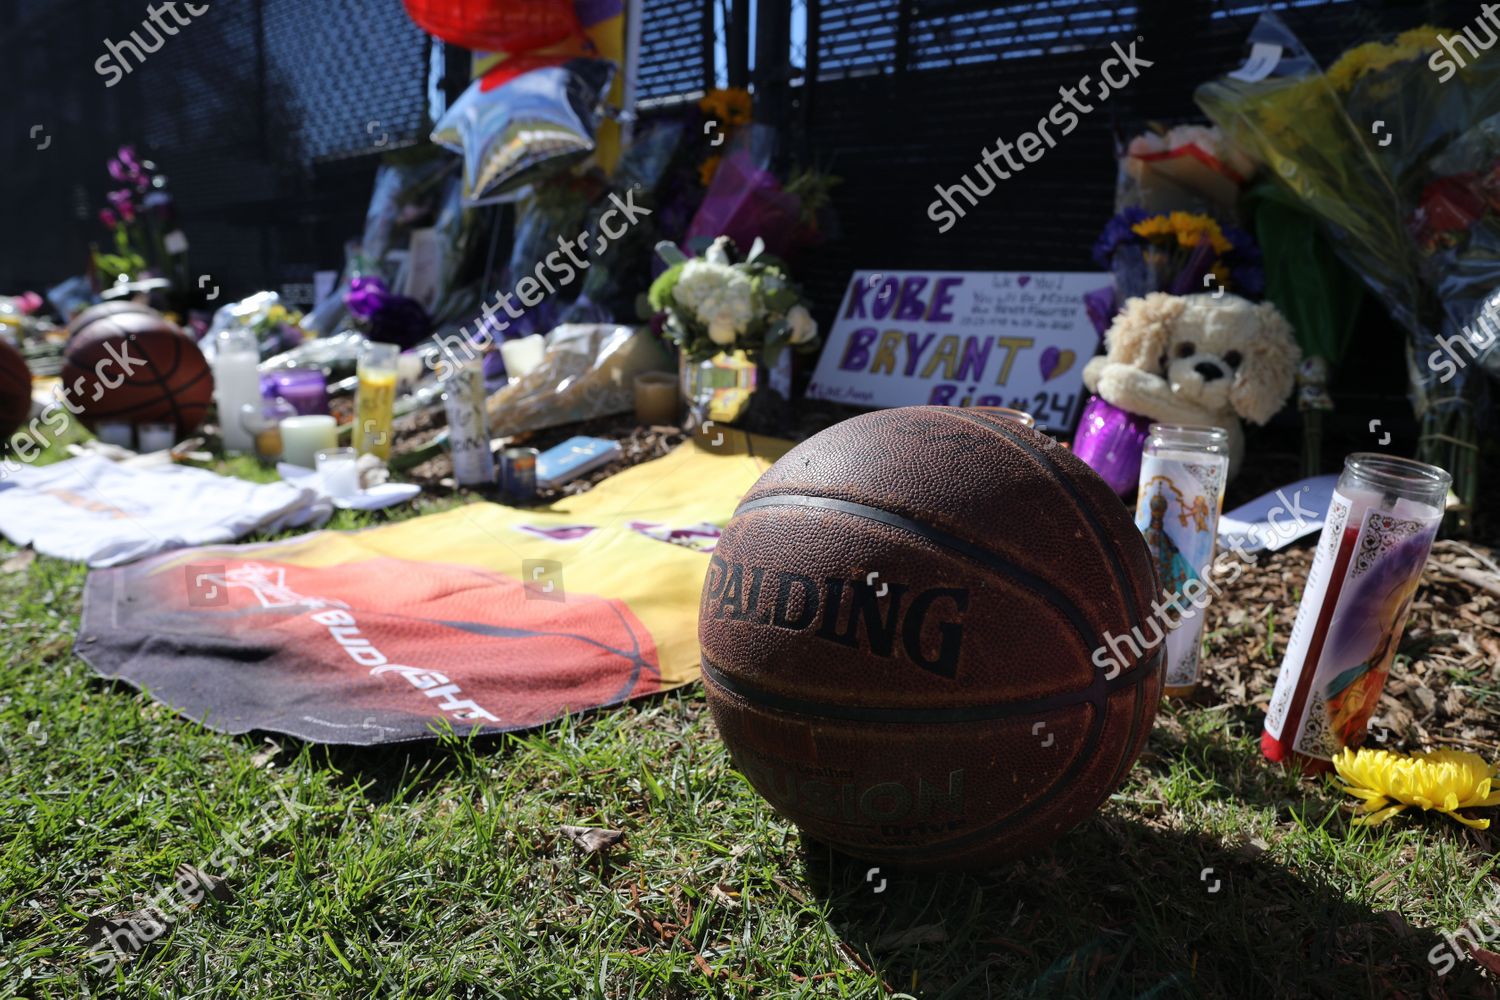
{"points": [[716, 304]]}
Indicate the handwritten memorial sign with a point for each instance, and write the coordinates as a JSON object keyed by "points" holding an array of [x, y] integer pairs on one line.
{"points": [[914, 338]]}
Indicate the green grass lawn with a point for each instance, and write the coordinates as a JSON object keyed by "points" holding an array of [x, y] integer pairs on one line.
{"points": [[440, 871]]}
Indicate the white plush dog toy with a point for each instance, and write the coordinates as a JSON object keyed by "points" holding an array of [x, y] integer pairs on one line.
{"points": [[1198, 359]]}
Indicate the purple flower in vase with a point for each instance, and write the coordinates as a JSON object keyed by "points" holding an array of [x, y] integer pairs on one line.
{"points": [[110, 219], [128, 159], [118, 173]]}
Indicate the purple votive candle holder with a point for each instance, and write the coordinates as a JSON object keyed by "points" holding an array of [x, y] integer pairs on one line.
{"points": [[1109, 440], [304, 388]]}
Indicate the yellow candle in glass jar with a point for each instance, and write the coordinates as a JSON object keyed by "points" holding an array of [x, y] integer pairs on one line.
{"points": [[375, 400]]}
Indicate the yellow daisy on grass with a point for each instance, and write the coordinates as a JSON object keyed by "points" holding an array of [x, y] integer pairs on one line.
{"points": [[1444, 780]]}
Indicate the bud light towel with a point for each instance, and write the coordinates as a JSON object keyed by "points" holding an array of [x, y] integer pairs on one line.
{"points": [[484, 616]]}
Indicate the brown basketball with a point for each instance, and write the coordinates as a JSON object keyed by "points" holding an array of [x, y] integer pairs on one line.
{"points": [[15, 391], [104, 310], [132, 364], [902, 630]]}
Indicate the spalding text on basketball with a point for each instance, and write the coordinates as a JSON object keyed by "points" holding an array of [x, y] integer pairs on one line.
{"points": [[901, 624]]}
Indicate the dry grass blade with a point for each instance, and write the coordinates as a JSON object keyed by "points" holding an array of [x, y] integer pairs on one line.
{"points": [[920, 934], [20, 562], [591, 839], [190, 878], [130, 932]]}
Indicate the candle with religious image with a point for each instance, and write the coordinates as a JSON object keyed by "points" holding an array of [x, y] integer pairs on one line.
{"points": [[1381, 522], [1183, 470]]}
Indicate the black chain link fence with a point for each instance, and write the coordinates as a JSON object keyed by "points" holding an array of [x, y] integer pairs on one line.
{"points": [[269, 116]]}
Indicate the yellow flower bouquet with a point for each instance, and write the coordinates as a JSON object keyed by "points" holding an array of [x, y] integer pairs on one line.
{"points": [[1361, 148]]}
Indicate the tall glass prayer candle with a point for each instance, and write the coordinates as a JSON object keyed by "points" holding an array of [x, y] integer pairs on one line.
{"points": [[1183, 470], [236, 383], [375, 399], [468, 428], [1381, 522]]}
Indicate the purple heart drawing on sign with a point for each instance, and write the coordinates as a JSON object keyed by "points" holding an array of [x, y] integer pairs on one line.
{"points": [[1055, 362], [1024, 280]]}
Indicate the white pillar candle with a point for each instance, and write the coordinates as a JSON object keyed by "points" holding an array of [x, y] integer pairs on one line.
{"points": [[522, 355], [236, 382], [303, 437]]}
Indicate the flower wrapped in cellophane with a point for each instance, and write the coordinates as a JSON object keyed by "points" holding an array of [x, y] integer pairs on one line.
{"points": [[1368, 149], [1185, 167]]}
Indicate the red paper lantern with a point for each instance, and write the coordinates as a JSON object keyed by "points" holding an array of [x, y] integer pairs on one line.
{"points": [[509, 26]]}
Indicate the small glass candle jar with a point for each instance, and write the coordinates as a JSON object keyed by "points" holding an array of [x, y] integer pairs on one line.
{"points": [[1381, 522], [338, 471], [657, 400], [304, 388], [523, 354]]}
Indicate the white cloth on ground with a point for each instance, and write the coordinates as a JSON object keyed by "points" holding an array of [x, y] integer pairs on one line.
{"points": [[92, 510]]}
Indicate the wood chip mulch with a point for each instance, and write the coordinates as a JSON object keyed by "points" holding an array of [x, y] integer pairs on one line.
{"points": [[1445, 687]]}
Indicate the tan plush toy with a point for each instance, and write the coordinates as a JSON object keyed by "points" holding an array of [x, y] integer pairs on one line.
{"points": [[1198, 359]]}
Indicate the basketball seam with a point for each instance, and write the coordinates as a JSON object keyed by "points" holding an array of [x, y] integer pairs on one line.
{"points": [[1098, 700], [957, 714], [1122, 579]]}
